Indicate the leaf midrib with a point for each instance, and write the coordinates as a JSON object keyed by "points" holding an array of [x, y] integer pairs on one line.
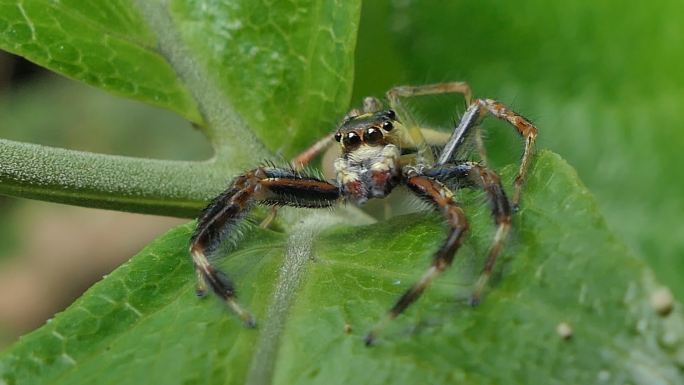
{"points": [[221, 122]]}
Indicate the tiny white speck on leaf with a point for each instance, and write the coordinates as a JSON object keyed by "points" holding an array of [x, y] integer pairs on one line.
{"points": [[564, 330], [662, 301]]}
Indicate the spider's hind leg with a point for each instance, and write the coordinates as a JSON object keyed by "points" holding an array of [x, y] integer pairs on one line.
{"points": [[395, 95]]}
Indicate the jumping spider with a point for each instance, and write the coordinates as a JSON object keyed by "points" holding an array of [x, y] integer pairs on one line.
{"points": [[380, 149]]}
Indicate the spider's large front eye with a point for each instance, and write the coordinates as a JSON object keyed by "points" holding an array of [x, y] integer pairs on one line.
{"points": [[372, 136], [352, 139]]}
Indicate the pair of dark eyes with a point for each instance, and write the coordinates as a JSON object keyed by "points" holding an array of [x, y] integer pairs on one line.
{"points": [[372, 135]]}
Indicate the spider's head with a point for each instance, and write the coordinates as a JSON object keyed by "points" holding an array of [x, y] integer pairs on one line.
{"points": [[373, 129], [369, 165]]}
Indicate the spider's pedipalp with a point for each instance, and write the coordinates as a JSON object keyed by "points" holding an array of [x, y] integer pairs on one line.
{"points": [[266, 185]]}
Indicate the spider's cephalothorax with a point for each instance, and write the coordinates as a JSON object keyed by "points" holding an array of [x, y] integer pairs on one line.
{"points": [[369, 166], [378, 153]]}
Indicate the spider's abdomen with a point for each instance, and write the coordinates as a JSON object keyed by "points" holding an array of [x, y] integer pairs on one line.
{"points": [[368, 172]]}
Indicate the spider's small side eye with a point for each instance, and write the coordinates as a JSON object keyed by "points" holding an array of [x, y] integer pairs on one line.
{"points": [[372, 136], [390, 114], [387, 125], [352, 139], [338, 137]]}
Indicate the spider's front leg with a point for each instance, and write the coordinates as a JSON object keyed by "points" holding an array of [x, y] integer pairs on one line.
{"points": [[298, 163], [469, 174], [472, 118], [441, 197], [220, 220]]}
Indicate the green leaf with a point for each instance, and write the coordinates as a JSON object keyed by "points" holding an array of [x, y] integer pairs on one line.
{"points": [[107, 45], [602, 81], [560, 265]]}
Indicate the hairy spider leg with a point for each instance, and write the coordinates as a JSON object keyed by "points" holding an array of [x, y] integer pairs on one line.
{"points": [[220, 220], [441, 197], [300, 162], [468, 174], [475, 113], [463, 88]]}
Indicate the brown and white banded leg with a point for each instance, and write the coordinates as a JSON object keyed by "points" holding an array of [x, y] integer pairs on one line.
{"points": [[221, 220], [473, 174], [298, 163], [472, 118], [441, 197]]}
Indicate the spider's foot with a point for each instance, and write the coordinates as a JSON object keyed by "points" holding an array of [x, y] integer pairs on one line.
{"points": [[515, 201], [201, 288], [270, 217], [476, 296], [369, 339], [249, 322], [475, 300], [244, 315]]}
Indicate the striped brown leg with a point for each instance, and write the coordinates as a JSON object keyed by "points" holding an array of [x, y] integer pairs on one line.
{"points": [[439, 195], [298, 163], [220, 221], [472, 118], [525, 128], [473, 174]]}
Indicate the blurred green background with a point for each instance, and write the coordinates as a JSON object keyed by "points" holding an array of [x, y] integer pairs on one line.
{"points": [[601, 80]]}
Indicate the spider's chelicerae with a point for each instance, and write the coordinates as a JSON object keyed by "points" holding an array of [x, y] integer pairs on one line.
{"points": [[380, 150]]}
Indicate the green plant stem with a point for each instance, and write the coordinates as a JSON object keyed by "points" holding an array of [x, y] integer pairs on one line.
{"points": [[223, 124], [174, 188]]}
